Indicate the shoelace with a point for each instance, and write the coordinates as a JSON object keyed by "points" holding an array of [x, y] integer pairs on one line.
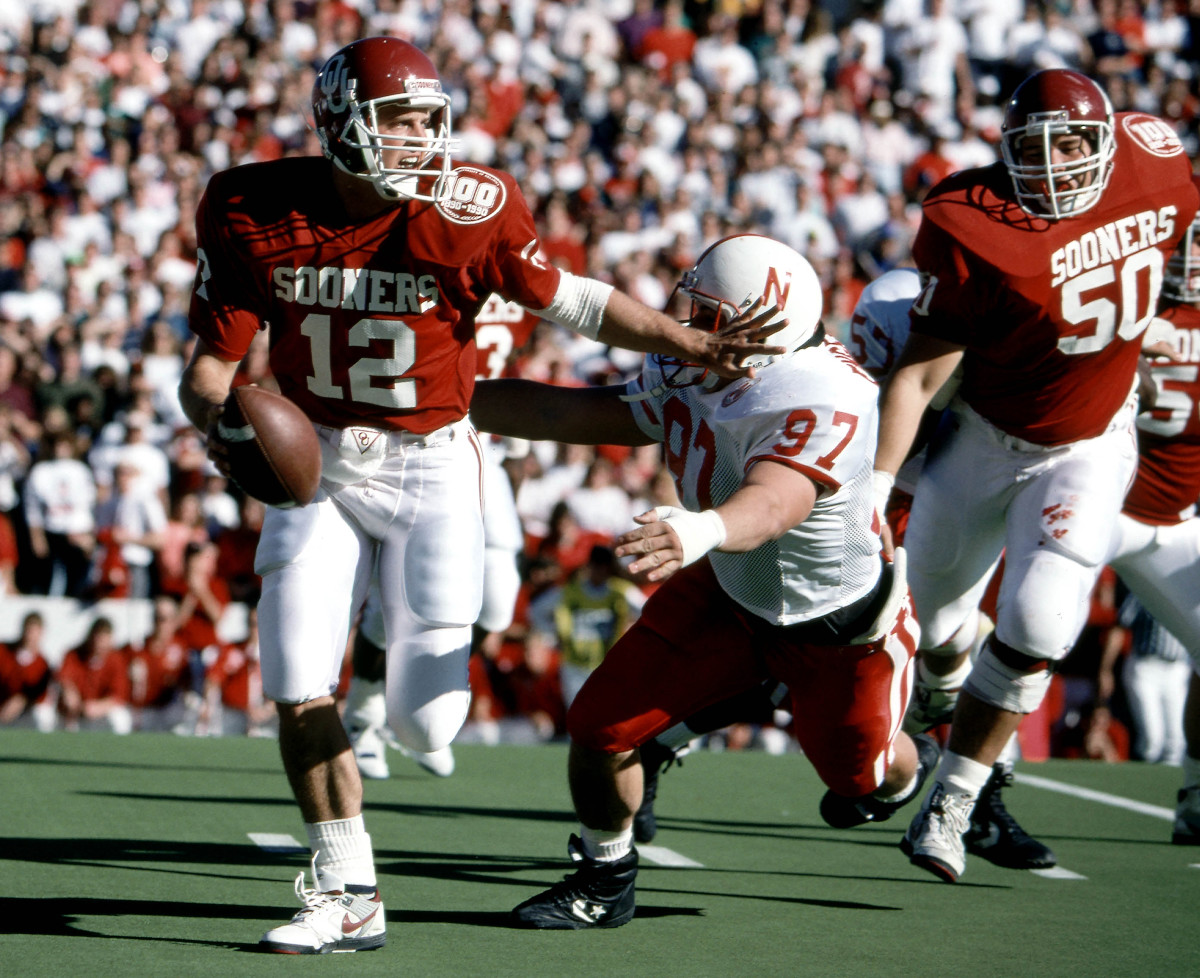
{"points": [[311, 898], [953, 817]]}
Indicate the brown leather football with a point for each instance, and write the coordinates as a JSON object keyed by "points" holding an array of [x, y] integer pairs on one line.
{"points": [[274, 454]]}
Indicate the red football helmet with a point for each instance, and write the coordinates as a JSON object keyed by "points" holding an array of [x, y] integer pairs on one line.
{"points": [[1051, 103], [350, 89], [1182, 279]]}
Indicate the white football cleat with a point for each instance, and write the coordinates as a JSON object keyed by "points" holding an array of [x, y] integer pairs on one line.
{"points": [[370, 752], [934, 840], [330, 923]]}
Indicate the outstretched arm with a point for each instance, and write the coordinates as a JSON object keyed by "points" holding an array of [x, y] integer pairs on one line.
{"points": [[628, 323], [772, 499], [544, 412], [597, 310]]}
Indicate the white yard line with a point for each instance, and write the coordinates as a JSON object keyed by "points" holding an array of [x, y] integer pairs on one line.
{"points": [[1116, 801], [662, 856], [1058, 873], [276, 842]]}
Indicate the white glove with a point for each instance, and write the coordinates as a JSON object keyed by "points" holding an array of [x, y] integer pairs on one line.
{"points": [[698, 532]]}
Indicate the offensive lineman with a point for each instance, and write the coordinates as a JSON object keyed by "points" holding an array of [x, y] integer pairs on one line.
{"points": [[1040, 275], [370, 265], [772, 571]]}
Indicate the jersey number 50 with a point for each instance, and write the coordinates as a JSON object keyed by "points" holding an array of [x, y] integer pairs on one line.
{"points": [[1136, 307]]}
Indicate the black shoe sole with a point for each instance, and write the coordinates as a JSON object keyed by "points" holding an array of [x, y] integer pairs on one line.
{"points": [[999, 859], [556, 923]]}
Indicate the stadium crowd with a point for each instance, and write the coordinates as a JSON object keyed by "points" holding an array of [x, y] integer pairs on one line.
{"points": [[639, 130]]}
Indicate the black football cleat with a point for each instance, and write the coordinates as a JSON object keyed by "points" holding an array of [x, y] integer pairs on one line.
{"points": [[841, 812], [997, 837], [598, 894]]}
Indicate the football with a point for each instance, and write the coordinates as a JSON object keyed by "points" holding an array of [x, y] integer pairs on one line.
{"points": [[274, 454]]}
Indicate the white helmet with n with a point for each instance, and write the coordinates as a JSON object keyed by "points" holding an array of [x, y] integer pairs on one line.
{"points": [[729, 277]]}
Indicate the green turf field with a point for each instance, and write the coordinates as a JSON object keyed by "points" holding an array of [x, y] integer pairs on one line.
{"points": [[131, 856]]}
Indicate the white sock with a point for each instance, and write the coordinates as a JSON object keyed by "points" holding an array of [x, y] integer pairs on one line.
{"points": [[606, 847], [343, 854], [963, 775]]}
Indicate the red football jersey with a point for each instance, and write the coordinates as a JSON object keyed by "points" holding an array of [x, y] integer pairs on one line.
{"points": [[1168, 478], [371, 322], [96, 678], [501, 328], [1052, 312], [24, 672]]}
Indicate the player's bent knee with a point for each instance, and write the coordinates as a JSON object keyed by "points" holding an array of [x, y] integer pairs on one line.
{"points": [[432, 725], [1006, 687]]}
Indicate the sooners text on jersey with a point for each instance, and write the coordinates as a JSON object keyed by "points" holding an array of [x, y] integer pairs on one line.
{"points": [[1052, 313], [371, 322]]}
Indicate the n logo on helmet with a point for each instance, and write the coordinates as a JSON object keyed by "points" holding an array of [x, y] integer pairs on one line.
{"points": [[336, 85], [776, 291]]}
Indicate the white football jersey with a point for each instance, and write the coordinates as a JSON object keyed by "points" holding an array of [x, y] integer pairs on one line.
{"points": [[814, 410], [880, 323]]}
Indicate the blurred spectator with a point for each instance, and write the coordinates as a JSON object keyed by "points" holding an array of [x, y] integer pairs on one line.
{"points": [[587, 614], [93, 684], [25, 677], [200, 609], [59, 497], [1155, 677], [1084, 709], [600, 504], [129, 525], [233, 696], [158, 672], [236, 547], [566, 545], [185, 527]]}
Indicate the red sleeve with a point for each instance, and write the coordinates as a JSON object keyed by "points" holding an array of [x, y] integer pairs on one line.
{"points": [[228, 306]]}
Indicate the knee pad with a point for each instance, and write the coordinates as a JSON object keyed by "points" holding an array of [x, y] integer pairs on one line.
{"points": [[1005, 687], [1045, 610]]}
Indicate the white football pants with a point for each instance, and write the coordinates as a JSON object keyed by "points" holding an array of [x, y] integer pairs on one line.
{"points": [[415, 526], [1049, 510]]}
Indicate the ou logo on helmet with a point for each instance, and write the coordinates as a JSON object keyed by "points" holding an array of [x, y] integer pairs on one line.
{"points": [[336, 86]]}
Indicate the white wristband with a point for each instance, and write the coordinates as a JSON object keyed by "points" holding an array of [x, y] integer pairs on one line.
{"points": [[882, 483], [698, 532]]}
